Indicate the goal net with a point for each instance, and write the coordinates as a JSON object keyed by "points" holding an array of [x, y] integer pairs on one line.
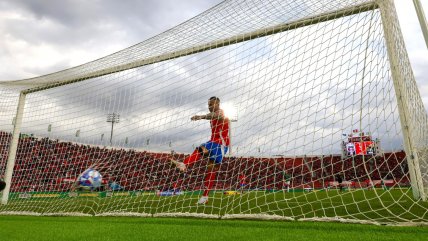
{"points": [[324, 118]]}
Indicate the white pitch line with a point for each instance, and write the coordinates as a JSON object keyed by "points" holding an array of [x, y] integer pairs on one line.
{"points": [[327, 202]]}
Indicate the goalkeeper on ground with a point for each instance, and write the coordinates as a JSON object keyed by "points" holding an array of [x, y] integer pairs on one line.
{"points": [[214, 149]]}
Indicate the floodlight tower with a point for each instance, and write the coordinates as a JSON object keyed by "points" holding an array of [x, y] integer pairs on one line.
{"points": [[113, 118]]}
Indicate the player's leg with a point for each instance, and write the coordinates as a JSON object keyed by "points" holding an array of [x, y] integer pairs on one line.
{"points": [[288, 183], [216, 153], [197, 154], [209, 181], [242, 186]]}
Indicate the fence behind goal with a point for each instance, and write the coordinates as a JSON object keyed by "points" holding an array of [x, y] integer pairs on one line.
{"points": [[326, 121]]}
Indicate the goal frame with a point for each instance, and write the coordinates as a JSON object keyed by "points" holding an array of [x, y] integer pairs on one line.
{"points": [[398, 62]]}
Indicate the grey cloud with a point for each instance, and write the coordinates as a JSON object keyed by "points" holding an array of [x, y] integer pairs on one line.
{"points": [[63, 25], [80, 22]]}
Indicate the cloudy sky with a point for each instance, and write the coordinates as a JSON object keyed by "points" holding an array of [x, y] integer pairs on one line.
{"points": [[41, 37], [74, 32]]}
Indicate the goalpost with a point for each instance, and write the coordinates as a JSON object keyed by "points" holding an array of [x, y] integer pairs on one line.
{"points": [[330, 123]]}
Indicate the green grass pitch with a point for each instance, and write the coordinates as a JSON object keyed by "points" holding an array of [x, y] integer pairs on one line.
{"points": [[16, 228], [375, 205]]}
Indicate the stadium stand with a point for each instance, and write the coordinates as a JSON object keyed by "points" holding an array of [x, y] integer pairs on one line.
{"points": [[44, 164]]}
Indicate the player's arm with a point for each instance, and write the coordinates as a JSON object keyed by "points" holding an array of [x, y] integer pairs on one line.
{"points": [[210, 116]]}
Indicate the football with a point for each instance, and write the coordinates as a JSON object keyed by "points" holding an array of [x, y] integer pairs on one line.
{"points": [[90, 179]]}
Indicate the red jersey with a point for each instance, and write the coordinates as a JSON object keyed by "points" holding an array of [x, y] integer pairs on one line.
{"points": [[220, 130], [243, 179]]}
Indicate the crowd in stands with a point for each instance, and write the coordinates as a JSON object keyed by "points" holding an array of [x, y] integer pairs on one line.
{"points": [[44, 164]]}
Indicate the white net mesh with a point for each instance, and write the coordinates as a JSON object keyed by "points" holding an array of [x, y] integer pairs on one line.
{"points": [[316, 125]]}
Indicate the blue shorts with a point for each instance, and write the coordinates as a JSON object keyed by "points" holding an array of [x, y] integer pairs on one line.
{"points": [[216, 151]]}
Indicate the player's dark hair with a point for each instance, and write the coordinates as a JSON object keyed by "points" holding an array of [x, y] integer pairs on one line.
{"points": [[2, 185], [215, 98]]}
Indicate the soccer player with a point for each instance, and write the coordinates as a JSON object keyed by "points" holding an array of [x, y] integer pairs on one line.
{"points": [[214, 149], [286, 180], [242, 182], [339, 180]]}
